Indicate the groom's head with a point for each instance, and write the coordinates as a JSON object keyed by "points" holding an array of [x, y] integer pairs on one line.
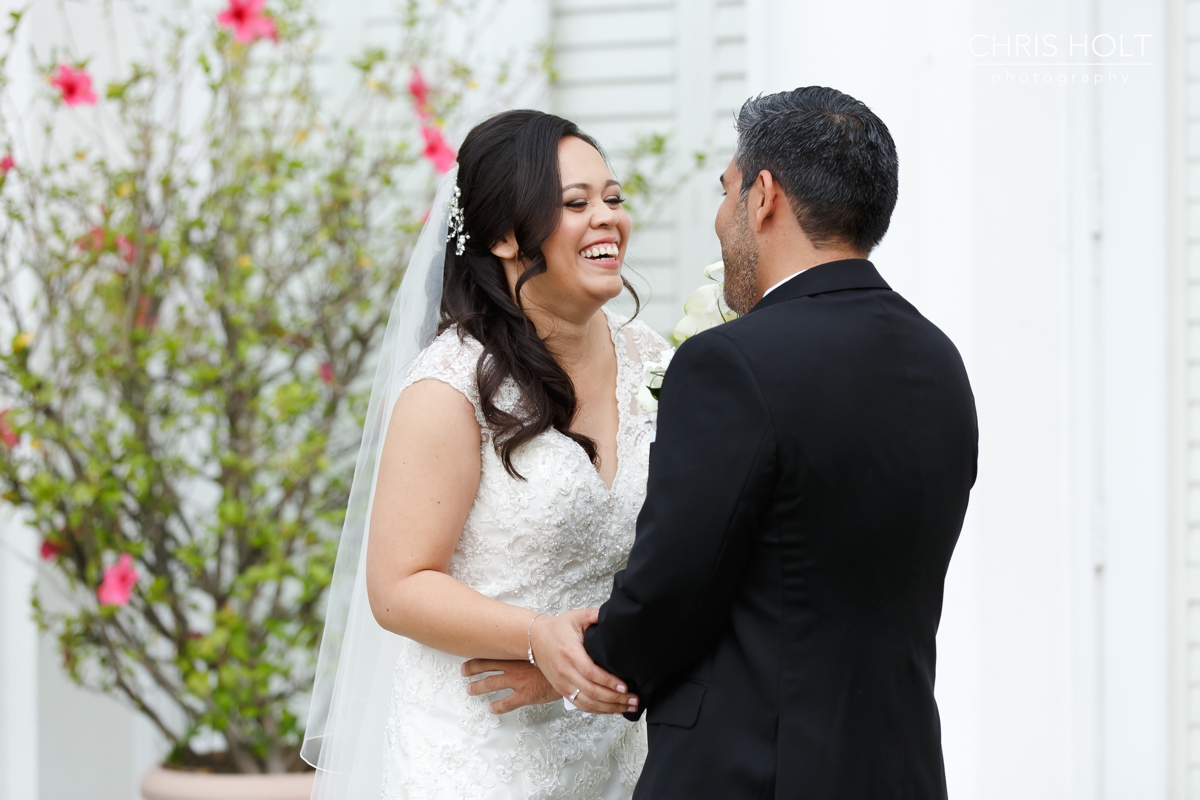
{"points": [[811, 163]]}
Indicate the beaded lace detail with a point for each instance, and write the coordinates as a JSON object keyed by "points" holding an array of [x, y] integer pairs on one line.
{"points": [[549, 543]]}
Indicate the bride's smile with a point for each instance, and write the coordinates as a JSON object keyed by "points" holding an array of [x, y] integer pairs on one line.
{"points": [[603, 253], [585, 253]]}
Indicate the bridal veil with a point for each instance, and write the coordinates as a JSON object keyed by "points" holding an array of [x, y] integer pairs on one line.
{"points": [[344, 737]]}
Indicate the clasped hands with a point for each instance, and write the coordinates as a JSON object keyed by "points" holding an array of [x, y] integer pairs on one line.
{"points": [[563, 666]]}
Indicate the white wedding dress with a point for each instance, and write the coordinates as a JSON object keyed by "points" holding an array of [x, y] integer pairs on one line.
{"points": [[549, 543]]}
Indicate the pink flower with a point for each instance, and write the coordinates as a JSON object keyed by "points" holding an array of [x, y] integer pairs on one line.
{"points": [[52, 549], [248, 22], [419, 90], [92, 240], [125, 248], [75, 85], [7, 434], [6, 164], [327, 372], [436, 149], [116, 586]]}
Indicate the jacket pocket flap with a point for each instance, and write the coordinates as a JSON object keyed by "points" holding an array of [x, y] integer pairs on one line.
{"points": [[679, 708]]}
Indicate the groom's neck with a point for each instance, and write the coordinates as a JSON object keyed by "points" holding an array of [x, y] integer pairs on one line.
{"points": [[781, 257]]}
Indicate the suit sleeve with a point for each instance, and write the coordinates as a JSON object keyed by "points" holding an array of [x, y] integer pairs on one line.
{"points": [[711, 477]]}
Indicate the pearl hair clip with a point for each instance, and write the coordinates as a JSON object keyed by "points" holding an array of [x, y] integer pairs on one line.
{"points": [[457, 224]]}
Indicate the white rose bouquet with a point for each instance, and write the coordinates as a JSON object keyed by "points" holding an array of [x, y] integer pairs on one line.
{"points": [[704, 309], [651, 385]]}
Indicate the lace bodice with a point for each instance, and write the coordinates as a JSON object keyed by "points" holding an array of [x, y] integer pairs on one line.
{"points": [[551, 542]]}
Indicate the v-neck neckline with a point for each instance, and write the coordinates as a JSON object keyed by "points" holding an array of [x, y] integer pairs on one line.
{"points": [[612, 335]]}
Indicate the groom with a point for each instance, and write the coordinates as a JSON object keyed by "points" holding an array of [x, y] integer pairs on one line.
{"points": [[778, 615]]}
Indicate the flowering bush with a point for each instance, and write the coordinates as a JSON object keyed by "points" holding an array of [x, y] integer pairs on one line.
{"points": [[193, 310]]}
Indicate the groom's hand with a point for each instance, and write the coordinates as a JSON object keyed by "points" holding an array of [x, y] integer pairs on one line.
{"points": [[558, 649], [527, 682]]}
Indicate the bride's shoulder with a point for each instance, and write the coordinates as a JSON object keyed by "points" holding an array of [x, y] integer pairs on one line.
{"points": [[452, 358], [453, 349]]}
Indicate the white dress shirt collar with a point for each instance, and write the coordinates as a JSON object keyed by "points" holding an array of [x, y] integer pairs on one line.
{"points": [[782, 282]]}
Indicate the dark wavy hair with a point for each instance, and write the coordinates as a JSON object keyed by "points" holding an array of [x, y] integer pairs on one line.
{"points": [[509, 178]]}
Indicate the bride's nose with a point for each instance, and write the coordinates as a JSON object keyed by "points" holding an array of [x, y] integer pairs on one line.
{"points": [[605, 217]]}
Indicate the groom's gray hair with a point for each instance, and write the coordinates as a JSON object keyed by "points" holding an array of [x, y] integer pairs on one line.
{"points": [[834, 159]]}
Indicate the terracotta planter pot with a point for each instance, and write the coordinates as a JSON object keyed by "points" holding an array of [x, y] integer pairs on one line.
{"points": [[169, 784]]}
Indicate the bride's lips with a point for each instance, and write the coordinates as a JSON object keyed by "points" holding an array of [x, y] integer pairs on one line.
{"points": [[604, 253]]}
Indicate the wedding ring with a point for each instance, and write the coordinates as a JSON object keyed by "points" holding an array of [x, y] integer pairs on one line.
{"points": [[574, 695]]}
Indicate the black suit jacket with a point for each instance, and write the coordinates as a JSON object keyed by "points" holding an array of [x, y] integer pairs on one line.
{"points": [[779, 611]]}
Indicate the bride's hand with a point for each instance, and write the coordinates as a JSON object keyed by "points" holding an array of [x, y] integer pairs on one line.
{"points": [[529, 685], [558, 649]]}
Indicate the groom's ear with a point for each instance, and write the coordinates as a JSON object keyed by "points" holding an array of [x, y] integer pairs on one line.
{"points": [[762, 201]]}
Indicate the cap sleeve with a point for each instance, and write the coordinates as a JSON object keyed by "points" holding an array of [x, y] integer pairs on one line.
{"points": [[452, 360]]}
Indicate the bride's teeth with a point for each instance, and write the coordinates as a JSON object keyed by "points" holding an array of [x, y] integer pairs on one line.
{"points": [[600, 250]]}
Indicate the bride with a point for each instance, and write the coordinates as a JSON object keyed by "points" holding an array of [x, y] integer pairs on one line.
{"points": [[508, 462]]}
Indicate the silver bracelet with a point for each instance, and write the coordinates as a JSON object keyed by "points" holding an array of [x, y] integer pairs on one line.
{"points": [[529, 637]]}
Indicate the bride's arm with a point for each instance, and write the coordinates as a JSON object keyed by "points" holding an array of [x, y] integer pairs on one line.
{"points": [[428, 476]]}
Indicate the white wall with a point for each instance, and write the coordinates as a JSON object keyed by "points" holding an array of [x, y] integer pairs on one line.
{"points": [[1187, 236], [18, 664]]}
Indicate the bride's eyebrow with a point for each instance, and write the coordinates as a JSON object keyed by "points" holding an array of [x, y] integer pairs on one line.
{"points": [[586, 186]]}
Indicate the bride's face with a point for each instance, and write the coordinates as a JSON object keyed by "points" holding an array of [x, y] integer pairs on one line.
{"points": [[584, 255]]}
